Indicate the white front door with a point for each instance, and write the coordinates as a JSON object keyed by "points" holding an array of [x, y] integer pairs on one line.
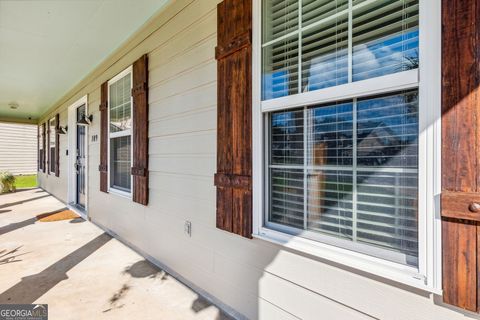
{"points": [[78, 158]]}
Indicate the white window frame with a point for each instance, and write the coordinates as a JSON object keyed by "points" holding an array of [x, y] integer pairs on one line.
{"points": [[50, 133], [428, 81], [124, 133]]}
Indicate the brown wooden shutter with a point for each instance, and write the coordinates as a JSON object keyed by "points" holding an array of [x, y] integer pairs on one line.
{"points": [[461, 152], [234, 124], [38, 149], [48, 147], [140, 130], [57, 145], [44, 135], [103, 167]]}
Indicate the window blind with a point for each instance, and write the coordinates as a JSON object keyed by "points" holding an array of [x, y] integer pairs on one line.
{"points": [[281, 61], [120, 109], [317, 10], [120, 157], [287, 197], [120, 105], [348, 170], [280, 17]]}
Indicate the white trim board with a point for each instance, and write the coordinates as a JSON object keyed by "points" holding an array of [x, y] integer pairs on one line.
{"points": [[72, 142]]}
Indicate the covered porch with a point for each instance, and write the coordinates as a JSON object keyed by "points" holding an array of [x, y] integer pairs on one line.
{"points": [[82, 272]]}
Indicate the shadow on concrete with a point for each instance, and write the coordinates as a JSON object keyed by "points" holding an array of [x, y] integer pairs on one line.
{"points": [[117, 296], [77, 220], [28, 189], [11, 256], [30, 288], [5, 211], [18, 225], [143, 269], [21, 190], [10, 204], [201, 304]]}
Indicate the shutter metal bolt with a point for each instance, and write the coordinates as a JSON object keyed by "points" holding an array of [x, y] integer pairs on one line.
{"points": [[474, 207]]}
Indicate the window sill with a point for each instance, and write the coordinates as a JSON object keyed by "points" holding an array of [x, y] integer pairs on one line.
{"points": [[120, 193], [372, 265]]}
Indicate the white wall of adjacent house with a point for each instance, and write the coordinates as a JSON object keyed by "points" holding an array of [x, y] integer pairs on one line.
{"points": [[256, 278], [18, 148]]}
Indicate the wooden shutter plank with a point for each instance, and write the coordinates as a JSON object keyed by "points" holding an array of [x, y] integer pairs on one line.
{"points": [[57, 145], [242, 212], [234, 110], [38, 149], [459, 265], [460, 151], [224, 204], [140, 130], [48, 147], [103, 167]]}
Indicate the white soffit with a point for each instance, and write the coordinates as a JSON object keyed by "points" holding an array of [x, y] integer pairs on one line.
{"points": [[47, 47]]}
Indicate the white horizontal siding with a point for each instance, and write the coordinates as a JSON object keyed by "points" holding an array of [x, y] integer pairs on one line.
{"points": [[256, 278], [57, 186], [18, 148]]}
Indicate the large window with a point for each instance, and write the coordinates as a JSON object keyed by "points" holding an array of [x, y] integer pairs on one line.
{"points": [[52, 145], [340, 109], [120, 132]]}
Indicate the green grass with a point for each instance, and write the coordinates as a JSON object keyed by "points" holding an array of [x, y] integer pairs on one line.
{"points": [[29, 181]]}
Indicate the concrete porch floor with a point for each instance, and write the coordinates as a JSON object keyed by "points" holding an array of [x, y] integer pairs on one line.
{"points": [[80, 271]]}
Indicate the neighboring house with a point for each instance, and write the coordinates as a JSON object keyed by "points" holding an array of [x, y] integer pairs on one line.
{"points": [[303, 150], [18, 148]]}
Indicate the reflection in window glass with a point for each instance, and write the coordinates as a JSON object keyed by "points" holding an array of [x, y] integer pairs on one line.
{"points": [[287, 137], [325, 54], [387, 131], [330, 135], [280, 69], [385, 38], [351, 180], [330, 202], [327, 44]]}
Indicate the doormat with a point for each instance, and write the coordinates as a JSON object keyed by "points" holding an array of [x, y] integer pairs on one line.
{"points": [[57, 216]]}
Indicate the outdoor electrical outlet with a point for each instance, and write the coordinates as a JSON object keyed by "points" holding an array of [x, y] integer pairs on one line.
{"points": [[188, 228]]}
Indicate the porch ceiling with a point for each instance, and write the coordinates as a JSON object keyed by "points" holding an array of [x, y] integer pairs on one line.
{"points": [[46, 47]]}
